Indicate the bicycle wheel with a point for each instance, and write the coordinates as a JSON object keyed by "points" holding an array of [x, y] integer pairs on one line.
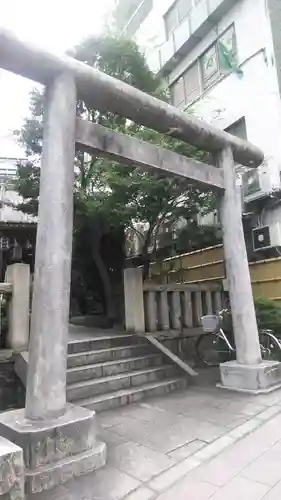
{"points": [[270, 346], [212, 350]]}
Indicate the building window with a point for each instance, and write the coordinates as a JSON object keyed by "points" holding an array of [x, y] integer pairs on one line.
{"points": [[179, 11], [130, 14], [184, 7], [171, 20], [187, 87], [139, 16], [192, 83], [178, 93], [228, 39], [210, 65], [220, 58]]}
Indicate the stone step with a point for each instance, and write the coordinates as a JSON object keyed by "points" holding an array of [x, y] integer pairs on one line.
{"points": [[108, 368], [103, 342], [89, 388], [112, 353], [133, 394]]}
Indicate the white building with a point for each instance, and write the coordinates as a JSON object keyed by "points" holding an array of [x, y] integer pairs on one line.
{"points": [[9, 198], [222, 61]]}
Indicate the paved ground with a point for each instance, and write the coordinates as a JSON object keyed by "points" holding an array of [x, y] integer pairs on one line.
{"points": [[199, 444]]}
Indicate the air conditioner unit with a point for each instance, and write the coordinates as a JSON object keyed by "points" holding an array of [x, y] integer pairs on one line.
{"points": [[256, 183], [265, 237]]}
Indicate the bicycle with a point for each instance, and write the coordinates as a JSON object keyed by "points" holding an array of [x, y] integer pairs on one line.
{"points": [[214, 347]]}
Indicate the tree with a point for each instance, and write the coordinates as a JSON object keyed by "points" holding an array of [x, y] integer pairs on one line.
{"points": [[108, 195]]}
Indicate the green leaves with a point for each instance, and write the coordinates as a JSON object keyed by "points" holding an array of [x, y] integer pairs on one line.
{"points": [[107, 194]]}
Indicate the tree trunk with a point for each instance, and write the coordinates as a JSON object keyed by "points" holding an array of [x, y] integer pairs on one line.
{"points": [[110, 310]]}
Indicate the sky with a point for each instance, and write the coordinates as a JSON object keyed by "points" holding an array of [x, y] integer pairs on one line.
{"points": [[53, 24]]}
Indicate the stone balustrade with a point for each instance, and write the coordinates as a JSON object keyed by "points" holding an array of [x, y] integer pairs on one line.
{"points": [[17, 288], [151, 307]]}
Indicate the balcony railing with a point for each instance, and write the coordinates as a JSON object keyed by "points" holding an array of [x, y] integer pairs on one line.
{"points": [[199, 21]]}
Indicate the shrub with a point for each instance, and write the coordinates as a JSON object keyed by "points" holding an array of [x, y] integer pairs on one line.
{"points": [[268, 314]]}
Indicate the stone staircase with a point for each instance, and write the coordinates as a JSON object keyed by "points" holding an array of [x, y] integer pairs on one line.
{"points": [[117, 369]]}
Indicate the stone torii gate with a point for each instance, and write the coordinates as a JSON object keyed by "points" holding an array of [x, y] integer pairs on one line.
{"points": [[57, 438]]}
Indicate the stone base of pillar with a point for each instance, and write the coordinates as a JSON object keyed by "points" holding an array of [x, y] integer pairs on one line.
{"points": [[252, 379], [55, 451]]}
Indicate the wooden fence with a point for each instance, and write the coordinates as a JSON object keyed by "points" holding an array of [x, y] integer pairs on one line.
{"points": [[206, 266]]}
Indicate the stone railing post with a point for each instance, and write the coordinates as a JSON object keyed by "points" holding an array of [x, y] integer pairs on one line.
{"points": [[11, 471], [164, 318], [176, 310], [134, 303], [19, 277], [151, 316], [188, 315]]}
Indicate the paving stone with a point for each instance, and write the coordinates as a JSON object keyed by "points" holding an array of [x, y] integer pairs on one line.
{"points": [[110, 418], [168, 478], [155, 436], [139, 461], [269, 413], [270, 430], [187, 450], [148, 413], [186, 489], [218, 471], [141, 493], [275, 450], [167, 404], [221, 417], [232, 461], [270, 399], [206, 431], [192, 397], [245, 428], [274, 493], [107, 484], [252, 409], [111, 438], [266, 469], [214, 448], [189, 408], [233, 421], [241, 489]]}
